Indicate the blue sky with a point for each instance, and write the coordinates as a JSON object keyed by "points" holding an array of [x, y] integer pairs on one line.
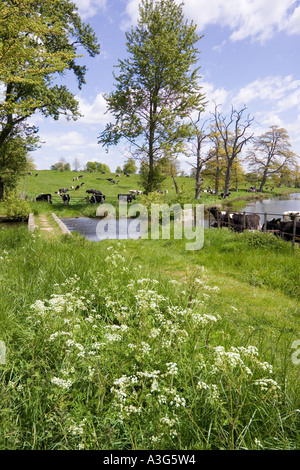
{"points": [[249, 56]]}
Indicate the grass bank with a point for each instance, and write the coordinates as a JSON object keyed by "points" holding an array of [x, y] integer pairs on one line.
{"points": [[144, 345]]}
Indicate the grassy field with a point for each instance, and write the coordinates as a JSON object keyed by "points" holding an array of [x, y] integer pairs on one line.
{"points": [[49, 181], [143, 344]]}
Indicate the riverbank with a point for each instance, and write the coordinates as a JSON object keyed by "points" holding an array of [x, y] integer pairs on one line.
{"points": [[239, 201]]}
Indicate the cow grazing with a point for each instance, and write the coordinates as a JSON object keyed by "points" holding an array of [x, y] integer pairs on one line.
{"points": [[82, 183], [100, 198], [94, 191], [44, 198], [77, 187], [128, 197], [63, 190]]}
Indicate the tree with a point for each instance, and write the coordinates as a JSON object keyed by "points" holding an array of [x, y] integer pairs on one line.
{"points": [[14, 156], [130, 166], [157, 86], [39, 39], [61, 165], [76, 164], [271, 152], [97, 166], [215, 166], [119, 169], [170, 167], [195, 149], [233, 132]]}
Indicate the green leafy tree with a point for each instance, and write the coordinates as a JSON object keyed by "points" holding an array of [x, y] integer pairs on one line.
{"points": [[130, 166], [14, 156], [157, 86], [61, 165], [271, 154], [103, 168], [39, 39], [91, 166]]}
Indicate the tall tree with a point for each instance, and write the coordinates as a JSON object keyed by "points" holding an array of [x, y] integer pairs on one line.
{"points": [[195, 150], [234, 134], [271, 152], [157, 86], [39, 39]]}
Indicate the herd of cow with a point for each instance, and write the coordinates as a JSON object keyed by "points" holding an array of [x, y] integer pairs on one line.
{"points": [[96, 196], [286, 227]]}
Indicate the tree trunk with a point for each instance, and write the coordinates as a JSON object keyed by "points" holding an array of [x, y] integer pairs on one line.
{"points": [[263, 181], [150, 185], [227, 178], [217, 180], [175, 184], [1, 189], [199, 181]]}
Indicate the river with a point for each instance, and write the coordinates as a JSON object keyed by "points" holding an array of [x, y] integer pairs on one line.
{"points": [[274, 207]]}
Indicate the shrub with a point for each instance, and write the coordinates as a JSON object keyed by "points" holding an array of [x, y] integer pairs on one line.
{"points": [[15, 208]]}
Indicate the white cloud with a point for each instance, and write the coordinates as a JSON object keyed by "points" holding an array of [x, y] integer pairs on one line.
{"points": [[282, 91], [89, 8], [256, 19], [93, 113], [292, 25], [64, 142]]}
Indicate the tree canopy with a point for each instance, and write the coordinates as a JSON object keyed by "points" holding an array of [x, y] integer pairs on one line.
{"points": [[157, 86], [271, 153], [39, 40]]}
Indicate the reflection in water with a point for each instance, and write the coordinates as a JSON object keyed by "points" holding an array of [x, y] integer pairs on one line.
{"points": [[88, 228]]}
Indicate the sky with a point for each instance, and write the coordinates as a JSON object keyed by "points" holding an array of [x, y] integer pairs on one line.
{"points": [[249, 57]]}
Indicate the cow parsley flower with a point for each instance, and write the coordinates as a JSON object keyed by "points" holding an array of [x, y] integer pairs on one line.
{"points": [[62, 383]]}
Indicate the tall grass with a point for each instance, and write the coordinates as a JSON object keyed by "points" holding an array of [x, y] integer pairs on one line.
{"points": [[104, 352]]}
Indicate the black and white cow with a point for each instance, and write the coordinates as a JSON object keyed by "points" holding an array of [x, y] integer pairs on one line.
{"points": [[65, 198], [236, 220], [93, 191], [97, 198], [44, 198], [128, 197]]}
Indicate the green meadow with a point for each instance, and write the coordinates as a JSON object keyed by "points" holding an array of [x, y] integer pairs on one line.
{"points": [[141, 344], [50, 181]]}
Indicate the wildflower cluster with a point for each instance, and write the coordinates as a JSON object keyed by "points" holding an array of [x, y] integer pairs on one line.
{"points": [[142, 357]]}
